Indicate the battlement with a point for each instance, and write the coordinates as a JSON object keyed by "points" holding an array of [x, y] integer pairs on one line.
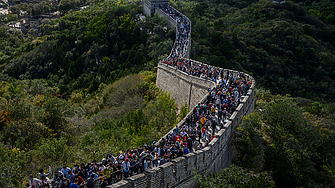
{"points": [[186, 88], [149, 6]]}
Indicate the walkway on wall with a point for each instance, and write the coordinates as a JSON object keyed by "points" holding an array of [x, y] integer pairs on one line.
{"points": [[232, 91]]}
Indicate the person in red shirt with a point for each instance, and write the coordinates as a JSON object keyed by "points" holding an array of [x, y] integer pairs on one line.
{"points": [[184, 137], [176, 138], [80, 180]]}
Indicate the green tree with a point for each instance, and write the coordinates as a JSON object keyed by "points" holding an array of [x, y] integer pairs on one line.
{"points": [[55, 152], [235, 177], [247, 140], [53, 114], [65, 5], [11, 172]]}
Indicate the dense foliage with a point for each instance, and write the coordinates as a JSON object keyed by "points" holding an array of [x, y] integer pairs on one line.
{"points": [[294, 143], [85, 48], [286, 141], [73, 94], [66, 97], [38, 129], [235, 177], [288, 48]]}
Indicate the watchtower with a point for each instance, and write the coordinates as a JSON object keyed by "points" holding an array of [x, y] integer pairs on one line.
{"points": [[149, 6]]}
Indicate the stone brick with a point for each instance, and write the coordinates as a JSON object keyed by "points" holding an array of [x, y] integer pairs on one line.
{"points": [[121, 184], [207, 156], [153, 177], [179, 167], [138, 181], [214, 147], [168, 175], [200, 160], [191, 167]]}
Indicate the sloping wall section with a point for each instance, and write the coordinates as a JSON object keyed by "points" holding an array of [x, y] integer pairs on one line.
{"points": [[180, 172], [185, 89]]}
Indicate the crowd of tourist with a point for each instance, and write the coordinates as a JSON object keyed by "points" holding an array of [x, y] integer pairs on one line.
{"points": [[194, 68], [195, 134], [181, 43]]}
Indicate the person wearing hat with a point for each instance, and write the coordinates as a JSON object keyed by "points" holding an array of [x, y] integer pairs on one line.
{"points": [[104, 161], [121, 156], [125, 167]]}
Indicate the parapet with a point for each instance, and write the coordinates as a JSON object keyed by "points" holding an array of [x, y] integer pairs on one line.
{"points": [[180, 172]]}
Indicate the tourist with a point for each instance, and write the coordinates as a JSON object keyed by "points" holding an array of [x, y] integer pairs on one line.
{"points": [[34, 182], [41, 173]]}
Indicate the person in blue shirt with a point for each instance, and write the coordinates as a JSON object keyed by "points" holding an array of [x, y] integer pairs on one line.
{"points": [[186, 150], [89, 174], [70, 176], [65, 170], [75, 184], [225, 101]]}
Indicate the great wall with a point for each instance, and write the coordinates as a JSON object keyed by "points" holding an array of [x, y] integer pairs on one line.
{"points": [[192, 90]]}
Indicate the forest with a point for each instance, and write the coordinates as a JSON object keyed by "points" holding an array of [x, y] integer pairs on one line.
{"points": [[286, 142], [86, 86], [288, 48]]}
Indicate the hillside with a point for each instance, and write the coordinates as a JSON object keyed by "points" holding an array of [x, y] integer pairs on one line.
{"points": [[285, 47], [64, 93], [39, 129], [85, 48], [286, 142], [85, 86]]}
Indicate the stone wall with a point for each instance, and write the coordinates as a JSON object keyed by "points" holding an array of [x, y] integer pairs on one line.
{"points": [[173, 24], [149, 6], [186, 89], [218, 155]]}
